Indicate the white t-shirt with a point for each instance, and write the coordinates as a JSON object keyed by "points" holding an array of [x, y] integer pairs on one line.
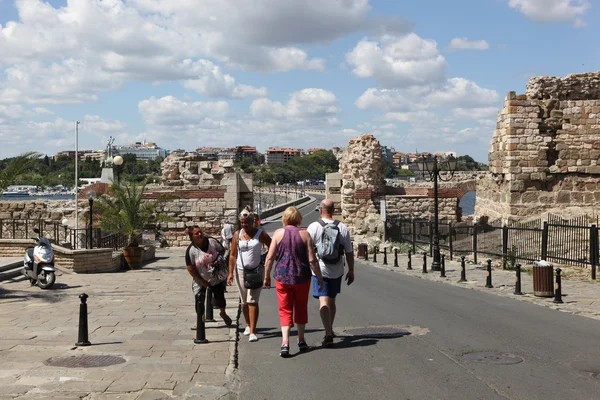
{"points": [[249, 251], [315, 231]]}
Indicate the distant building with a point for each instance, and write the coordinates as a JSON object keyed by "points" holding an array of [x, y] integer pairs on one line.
{"points": [[387, 153], [71, 154], [247, 151], [142, 151], [278, 155], [313, 150], [211, 153]]}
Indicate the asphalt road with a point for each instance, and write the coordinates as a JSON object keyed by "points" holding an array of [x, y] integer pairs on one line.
{"points": [[460, 344]]}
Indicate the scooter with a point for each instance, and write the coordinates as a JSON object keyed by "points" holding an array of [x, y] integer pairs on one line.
{"points": [[38, 263]]}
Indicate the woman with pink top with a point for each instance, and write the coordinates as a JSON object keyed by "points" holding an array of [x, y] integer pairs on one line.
{"points": [[293, 253]]}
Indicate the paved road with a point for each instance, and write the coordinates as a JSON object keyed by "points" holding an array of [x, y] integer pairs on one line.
{"points": [[445, 356]]}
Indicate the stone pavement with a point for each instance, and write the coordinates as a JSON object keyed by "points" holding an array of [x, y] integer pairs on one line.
{"points": [[142, 316], [581, 297]]}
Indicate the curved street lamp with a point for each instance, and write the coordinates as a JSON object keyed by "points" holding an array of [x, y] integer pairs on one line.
{"points": [[431, 165], [91, 194]]}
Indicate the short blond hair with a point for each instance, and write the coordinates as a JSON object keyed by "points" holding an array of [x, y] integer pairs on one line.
{"points": [[291, 216]]}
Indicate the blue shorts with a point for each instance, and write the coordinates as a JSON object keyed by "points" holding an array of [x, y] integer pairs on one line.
{"points": [[331, 287]]}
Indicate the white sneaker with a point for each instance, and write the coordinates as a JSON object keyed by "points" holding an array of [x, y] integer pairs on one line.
{"points": [[253, 338], [247, 331]]}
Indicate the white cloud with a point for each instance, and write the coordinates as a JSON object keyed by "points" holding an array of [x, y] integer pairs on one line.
{"points": [[172, 113], [480, 114], [398, 62], [454, 93], [303, 119], [553, 10], [258, 35], [272, 23], [462, 93], [309, 105], [71, 81], [20, 133], [56, 56], [385, 99], [466, 44]]}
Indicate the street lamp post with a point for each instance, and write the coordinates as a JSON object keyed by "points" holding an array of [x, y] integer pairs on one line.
{"points": [[90, 194], [118, 161], [65, 224], [431, 165]]}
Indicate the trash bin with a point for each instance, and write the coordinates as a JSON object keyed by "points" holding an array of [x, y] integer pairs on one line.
{"points": [[543, 279], [362, 249]]}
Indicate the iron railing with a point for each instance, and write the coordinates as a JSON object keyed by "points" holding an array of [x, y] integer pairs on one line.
{"points": [[563, 241], [82, 238]]}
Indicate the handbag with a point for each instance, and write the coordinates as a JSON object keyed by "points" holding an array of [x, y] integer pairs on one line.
{"points": [[252, 277]]}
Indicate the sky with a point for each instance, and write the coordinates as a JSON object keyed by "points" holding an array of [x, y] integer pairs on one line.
{"points": [[427, 75]]}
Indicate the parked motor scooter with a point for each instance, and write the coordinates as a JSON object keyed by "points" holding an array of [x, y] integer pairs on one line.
{"points": [[38, 263]]}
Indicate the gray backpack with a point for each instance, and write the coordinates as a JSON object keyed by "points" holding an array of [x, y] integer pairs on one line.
{"points": [[330, 249]]}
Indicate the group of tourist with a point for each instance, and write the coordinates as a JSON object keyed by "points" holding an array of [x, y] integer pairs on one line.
{"points": [[297, 258]]}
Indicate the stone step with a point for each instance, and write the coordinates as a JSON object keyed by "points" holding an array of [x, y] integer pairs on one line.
{"points": [[11, 265], [11, 272]]}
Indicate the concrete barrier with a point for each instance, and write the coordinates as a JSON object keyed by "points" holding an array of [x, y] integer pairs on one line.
{"points": [[281, 207]]}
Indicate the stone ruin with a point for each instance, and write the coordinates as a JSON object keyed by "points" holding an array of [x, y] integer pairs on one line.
{"points": [[193, 170], [362, 178], [545, 151], [363, 192]]}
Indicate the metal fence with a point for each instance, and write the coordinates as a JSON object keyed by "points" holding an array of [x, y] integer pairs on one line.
{"points": [[82, 238], [563, 241]]}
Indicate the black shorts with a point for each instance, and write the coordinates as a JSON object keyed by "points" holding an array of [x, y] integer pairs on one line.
{"points": [[218, 294]]}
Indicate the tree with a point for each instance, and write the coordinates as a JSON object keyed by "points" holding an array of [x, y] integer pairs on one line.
{"points": [[126, 212], [389, 170], [15, 167]]}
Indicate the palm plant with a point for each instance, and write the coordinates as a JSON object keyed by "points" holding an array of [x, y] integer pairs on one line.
{"points": [[126, 212], [15, 167]]}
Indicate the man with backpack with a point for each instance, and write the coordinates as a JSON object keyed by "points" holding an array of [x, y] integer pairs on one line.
{"points": [[333, 245]]}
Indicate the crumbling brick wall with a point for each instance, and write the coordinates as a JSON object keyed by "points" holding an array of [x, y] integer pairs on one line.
{"points": [[545, 150]]}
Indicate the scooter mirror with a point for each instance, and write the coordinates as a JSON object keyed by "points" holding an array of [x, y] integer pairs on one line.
{"points": [[36, 230]]}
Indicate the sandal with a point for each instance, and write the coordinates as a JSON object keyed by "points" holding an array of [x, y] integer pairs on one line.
{"points": [[285, 351]]}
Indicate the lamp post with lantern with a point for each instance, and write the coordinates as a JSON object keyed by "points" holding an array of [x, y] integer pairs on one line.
{"points": [[91, 194], [431, 165], [118, 161], [65, 224]]}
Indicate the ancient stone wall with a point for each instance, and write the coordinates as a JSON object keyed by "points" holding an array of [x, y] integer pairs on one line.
{"points": [[545, 149], [362, 175], [421, 207], [205, 193]]}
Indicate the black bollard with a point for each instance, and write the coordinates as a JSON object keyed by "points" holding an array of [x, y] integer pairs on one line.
{"points": [[209, 306], [82, 337], [518, 281], [385, 256], [200, 326], [424, 262], [396, 257], [375, 250], [366, 253], [463, 272], [558, 288], [488, 280], [409, 260], [443, 269]]}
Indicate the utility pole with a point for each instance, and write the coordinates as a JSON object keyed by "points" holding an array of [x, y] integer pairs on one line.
{"points": [[76, 181]]}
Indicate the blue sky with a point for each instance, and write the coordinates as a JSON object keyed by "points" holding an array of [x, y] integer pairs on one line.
{"points": [[427, 75]]}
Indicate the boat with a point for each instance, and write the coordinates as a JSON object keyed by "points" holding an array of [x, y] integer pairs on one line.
{"points": [[15, 193]]}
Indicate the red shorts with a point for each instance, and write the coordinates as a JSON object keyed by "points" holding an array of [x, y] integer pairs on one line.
{"points": [[293, 303]]}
